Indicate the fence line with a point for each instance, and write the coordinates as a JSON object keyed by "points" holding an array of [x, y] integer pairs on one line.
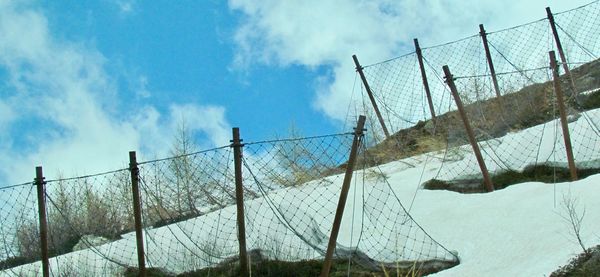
{"points": [[518, 48], [522, 83], [290, 186]]}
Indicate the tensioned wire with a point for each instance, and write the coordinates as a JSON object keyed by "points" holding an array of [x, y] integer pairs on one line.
{"points": [[577, 8], [17, 185]]}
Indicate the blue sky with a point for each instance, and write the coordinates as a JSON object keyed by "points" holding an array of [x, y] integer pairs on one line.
{"points": [[182, 53], [83, 82]]}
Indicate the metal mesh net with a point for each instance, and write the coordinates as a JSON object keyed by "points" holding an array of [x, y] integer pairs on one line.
{"points": [[511, 129]]}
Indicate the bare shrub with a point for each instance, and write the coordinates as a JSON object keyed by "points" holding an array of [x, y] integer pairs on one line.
{"points": [[573, 217], [28, 240]]}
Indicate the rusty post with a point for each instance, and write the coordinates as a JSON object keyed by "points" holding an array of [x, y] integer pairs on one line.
{"points": [[488, 56], [561, 53], [237, 146], [41, 194], [337, 221], [359, 68], [489, 186], [424, 78], [137, 212], [563, 116]]}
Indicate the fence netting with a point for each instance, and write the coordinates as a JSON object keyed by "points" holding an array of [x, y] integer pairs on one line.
{"points": [[519, 49], [292, 186], [376, 231], [291, 191], [88, 218], [296, 179], [18, 216], [578, 30], [518, 131], [189, 210]]}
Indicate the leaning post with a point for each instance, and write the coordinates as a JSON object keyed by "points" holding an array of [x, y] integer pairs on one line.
{"points": [[561, 52], [337, 221], [488, 57], [359, 68], [489, 186], [237, 146], [41, 195], [137, 212], [563, 116], [424, 78]]}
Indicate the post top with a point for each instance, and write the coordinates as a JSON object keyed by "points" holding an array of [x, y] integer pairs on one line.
{"points": [[549, 13]]}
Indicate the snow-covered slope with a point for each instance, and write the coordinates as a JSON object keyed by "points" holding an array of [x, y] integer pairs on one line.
{"points": [[517, 231]]}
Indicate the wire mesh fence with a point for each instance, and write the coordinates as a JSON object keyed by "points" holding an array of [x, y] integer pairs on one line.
{"points": [[521, 120], [297, 179], [397, 76], [291, 189], [87, 218], [520, 49], [291, 186], [578, 30], [510, 135], [18, 212], [188, 209]]}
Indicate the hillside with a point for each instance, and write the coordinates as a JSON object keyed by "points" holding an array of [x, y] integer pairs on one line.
{"points": [[517, 231], [493, 234], [496, 117]]}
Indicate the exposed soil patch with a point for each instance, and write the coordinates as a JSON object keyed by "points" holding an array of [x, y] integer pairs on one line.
{"points": [[340, 267], [537, 173], [584, 265]]}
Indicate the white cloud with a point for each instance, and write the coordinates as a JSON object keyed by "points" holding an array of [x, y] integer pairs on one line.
{"points": [[125, 6], [210, 120], [157, 131], [7, 115], [63, 86], [316, 33], [142, 87]]}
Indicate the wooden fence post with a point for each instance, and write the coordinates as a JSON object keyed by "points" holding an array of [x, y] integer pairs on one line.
{"points": [[237, 146], [563, 116], [41, 195], [337, 221], [424, 78], [561, 53], [489, 186], [359, 68], [137, 212], [488, 56]]}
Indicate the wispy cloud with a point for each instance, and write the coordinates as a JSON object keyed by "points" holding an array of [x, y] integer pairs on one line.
{"points": [[59, 107], [141, 87], [209, 120], [7, 115], [125, 6]]}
